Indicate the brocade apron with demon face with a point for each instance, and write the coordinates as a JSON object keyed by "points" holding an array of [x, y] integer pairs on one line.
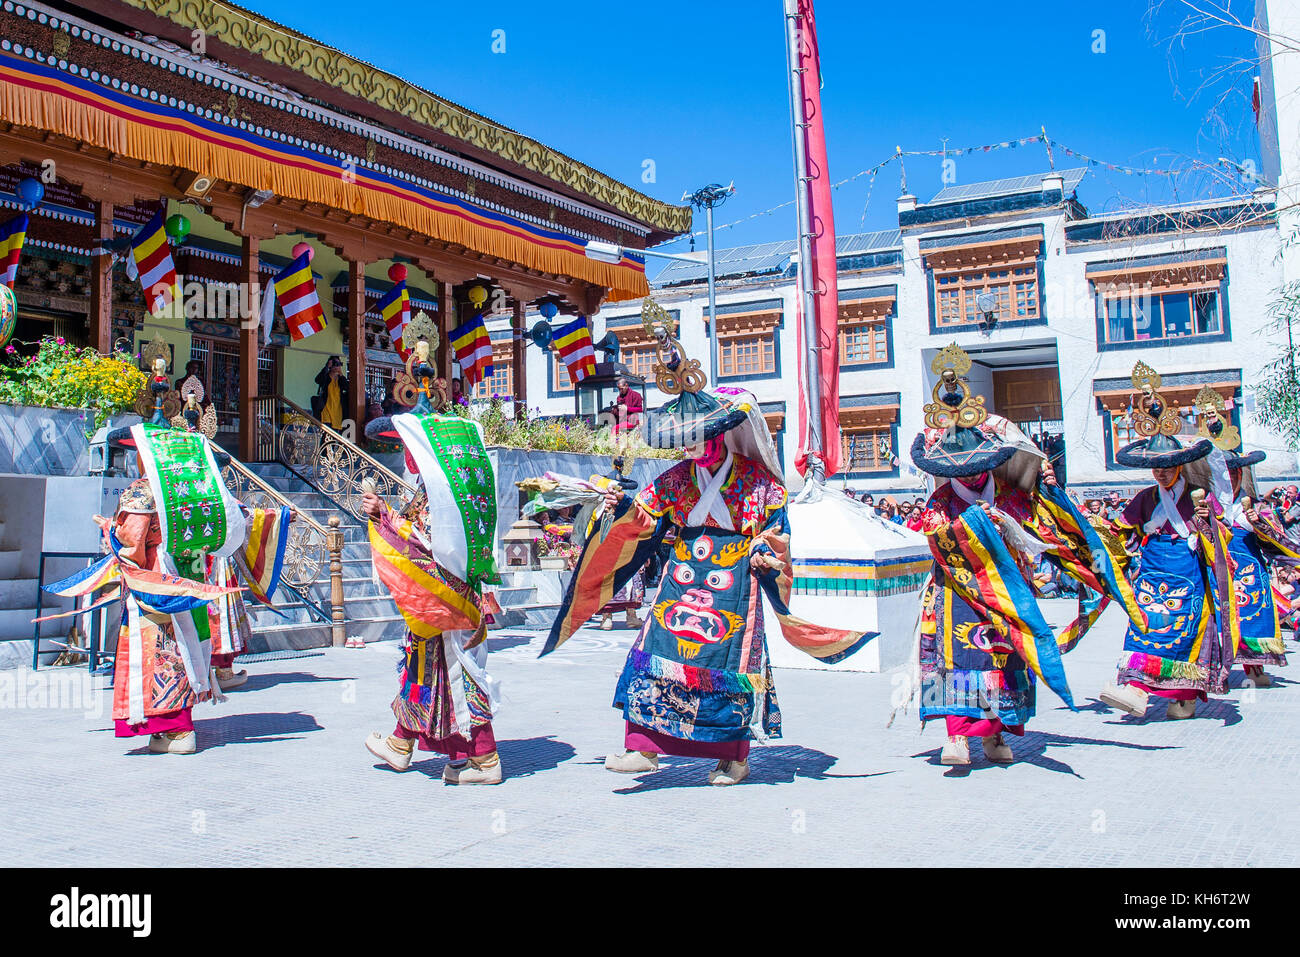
{"points": [[699, 665]]}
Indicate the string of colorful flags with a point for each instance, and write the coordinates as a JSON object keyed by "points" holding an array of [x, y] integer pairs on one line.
{"points": [[1047, 142]]}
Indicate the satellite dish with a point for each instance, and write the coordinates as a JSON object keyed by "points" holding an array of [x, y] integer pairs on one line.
{"points": [[541, 334], [609, 346], [987, 303]]}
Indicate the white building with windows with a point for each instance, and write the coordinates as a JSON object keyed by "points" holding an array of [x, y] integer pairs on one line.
{"points": [[1053, 304]]}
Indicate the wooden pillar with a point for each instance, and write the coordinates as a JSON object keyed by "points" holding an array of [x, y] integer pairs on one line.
{"points": [[357, 348], [250, 341], [518, 355], [338, 633], [101, 282], [447, 321]]}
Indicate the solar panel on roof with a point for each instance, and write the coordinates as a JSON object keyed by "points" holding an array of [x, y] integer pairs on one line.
{"points": [[1005, 187], [760, 258]]}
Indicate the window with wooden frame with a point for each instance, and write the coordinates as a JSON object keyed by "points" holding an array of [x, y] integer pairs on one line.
{"points": [[560, 381], [1005, 269], [747, 343], [1160, 304], [867, 439], [864, 331], [640, 360], [867, 450], [1116, 405], [636, 349], [501, 382]]}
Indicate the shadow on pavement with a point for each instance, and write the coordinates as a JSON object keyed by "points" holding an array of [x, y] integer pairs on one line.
{"points": [[1032, 749], [264, 681], [520, 758], [1224, 709], [507, 641], [776, 764], [253, 728]]}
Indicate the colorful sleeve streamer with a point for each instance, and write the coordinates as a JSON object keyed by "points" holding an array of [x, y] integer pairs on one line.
{"points": [[1082, 553], [155, 591], [827, 645], [430, 600], [261, 560], [978, 567], [606, 564]]}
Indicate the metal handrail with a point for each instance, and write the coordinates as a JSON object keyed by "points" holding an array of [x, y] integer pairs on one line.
{"points": [[330, 463], [267, 489], [361, 453]]}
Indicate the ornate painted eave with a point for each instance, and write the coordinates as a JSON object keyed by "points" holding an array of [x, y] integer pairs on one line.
{"points": [[281, 46]]}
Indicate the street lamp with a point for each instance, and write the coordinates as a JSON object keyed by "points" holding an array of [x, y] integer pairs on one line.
{"points": [[705, 198]]}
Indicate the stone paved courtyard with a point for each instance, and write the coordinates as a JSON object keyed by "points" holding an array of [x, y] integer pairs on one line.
{"points": [[282, 777]]}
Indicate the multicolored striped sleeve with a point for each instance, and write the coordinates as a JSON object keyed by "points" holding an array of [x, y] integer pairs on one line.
{"points": [[606, 564], [261, 560], [770, 561]]}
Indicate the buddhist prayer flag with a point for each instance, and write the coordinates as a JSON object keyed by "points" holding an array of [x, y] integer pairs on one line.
{"points": [[295, 288], [821, 224], [473, 348], [12, 236], [151, 260], [395, 307], [573, 341]]}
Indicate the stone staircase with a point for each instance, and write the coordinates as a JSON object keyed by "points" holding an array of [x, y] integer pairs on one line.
{"points": [[369, 611], [17, 606]]}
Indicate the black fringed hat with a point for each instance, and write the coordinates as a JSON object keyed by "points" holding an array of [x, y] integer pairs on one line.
{"points": [[958, 439], [1159, 424], [693, 415], [1241, 460]]}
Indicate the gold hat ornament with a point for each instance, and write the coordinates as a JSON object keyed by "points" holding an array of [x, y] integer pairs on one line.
{"points": [[957, 407], [1152, 415], [674, 372], [207, 418], [420, 338], [1214, 425], [155, 357]]}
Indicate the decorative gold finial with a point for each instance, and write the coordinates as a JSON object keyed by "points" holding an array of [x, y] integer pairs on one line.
{"points": [[1214, 425], [674, 372], [957, 407], [157, 349], [1151, 414], [420, 327]]}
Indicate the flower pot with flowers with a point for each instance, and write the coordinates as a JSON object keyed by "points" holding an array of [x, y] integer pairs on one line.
{"points": [[55, 374]]}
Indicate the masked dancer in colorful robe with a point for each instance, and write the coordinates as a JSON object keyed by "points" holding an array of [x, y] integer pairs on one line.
{"points": [[434, 557], [174, 544], [983, 638], [697, 681], [1258, 540], [1181, 542]]}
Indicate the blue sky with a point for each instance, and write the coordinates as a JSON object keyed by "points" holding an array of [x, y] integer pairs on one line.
{"points": [[700, 89]]}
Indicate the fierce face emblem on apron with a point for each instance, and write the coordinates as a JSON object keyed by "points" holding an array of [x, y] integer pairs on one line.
{"points": [[704, 587]]}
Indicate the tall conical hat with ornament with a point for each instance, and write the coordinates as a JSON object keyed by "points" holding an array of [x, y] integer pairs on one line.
{"points": [[961, 437], [1159, 424], [693, 415]]}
